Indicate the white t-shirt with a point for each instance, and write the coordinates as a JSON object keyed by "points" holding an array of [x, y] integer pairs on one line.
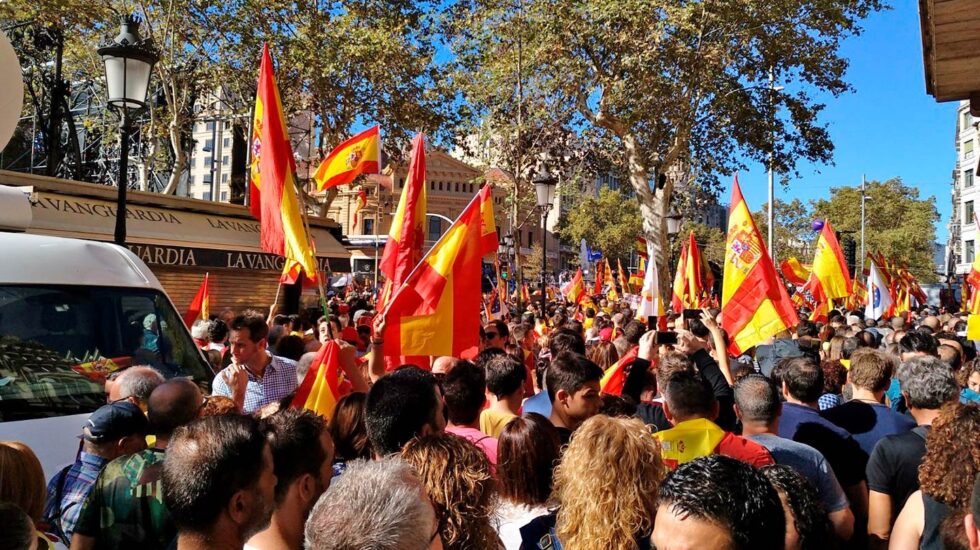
{"points": [[509, 517]]}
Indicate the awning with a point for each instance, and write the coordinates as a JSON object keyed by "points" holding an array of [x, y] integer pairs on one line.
{"points": [[167, 236]]}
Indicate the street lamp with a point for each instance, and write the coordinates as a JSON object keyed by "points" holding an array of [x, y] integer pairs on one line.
{"points": [[128, 63], [544, 188]]}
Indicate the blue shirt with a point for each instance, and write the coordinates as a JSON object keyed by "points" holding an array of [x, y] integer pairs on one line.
{"points": [[805, 425], [539, 403], [809, 463], [278, 381], [868, 422], [75, 485]]}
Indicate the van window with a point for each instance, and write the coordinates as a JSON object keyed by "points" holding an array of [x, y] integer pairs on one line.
{"points": [[58, 344]]}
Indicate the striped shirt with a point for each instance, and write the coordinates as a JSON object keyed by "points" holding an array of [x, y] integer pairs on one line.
{"points": [[67, 492], [278, 381]]}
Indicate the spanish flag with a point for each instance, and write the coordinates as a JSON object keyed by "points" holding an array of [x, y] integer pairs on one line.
{"points": [[693, 275], [272, 184], [360, 154], [437, 309], [320, 390], [795, 272], [403, 251], [829, 278], [679, 291], [755, 305], [360, 201], [199, 307], [614, 378], [574, 290]]}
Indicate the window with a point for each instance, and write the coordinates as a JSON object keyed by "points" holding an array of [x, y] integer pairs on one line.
{"points": [[226, 142], [457, 187], [968, 149], [224, 196], [968, 212], [440, 186], [224, 160], [967, 120], [530, 238], [432, 186], [401, 182], [224, 178], [207, 161], [209, 126], [969, 252], [368, 227], [206, 195], [435, 228], [227, 124], [968, 178]]}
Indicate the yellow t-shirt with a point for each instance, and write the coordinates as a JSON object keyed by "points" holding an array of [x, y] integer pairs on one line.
{"points": [[493, 422]]}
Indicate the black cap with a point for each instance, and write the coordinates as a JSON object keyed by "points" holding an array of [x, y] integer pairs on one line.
{"points": [[113, 421]]}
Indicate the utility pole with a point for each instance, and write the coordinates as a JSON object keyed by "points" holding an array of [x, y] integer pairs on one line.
{"points": [[520, 151], [770, 218], [864, 198]]}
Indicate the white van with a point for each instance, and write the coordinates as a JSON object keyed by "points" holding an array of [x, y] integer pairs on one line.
{"points": [[71, 312]]}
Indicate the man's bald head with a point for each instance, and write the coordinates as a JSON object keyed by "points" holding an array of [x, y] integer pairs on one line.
{"points": [[932, 322], [174, 403], [444, 364], [136, 384]]}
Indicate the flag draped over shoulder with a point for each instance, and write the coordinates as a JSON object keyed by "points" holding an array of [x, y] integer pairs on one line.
{"points": [[360, 154], [574, 290], [829, 278], [321, 388], [437, 309], [403, 251], [272, 184], [199, 308], [795, 272], [755, 305]]}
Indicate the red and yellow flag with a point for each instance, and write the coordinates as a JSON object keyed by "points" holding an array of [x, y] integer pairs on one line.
{"points": [[679, 291], [795, 272], [320, 390], [525, 294], [755, 305], [437, 310], [403, 251], [614, 378], [624, 278], [600, 277], [693, 275], [200, 305], [641, 246], [611, 294], [272, 184], [360, 201], [360, 154], [574, 290], [829, 278]]}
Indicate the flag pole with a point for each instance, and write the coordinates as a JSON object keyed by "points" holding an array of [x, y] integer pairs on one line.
{"points": [[316, 264], [427, 254]]}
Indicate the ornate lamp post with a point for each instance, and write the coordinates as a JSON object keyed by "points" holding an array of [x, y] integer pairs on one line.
{"points": [[544, 188], [128, 63]]}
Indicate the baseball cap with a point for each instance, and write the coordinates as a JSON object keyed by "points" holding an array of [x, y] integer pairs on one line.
{"points": [[115, 420]]}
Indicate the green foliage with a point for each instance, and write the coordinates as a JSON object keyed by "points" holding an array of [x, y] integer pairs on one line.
{"points": [[793, 235], [610, 223], [898, 223], [711, 241]]}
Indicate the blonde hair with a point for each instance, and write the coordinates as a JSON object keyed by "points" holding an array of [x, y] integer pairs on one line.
{"points": [[458, 480], [22, 478], [606, 484]]}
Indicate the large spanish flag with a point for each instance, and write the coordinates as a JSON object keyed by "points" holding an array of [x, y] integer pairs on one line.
{"points": [[794, 271], [320, 389], [199, 307], [574, 290], [829, 278], [403, 251], [360, 154], [755, 305], [272, 184], [679, 292], [693, 275], [437, 309]]}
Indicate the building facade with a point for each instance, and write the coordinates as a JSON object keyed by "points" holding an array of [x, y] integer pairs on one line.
{"points": [[963, 234]]}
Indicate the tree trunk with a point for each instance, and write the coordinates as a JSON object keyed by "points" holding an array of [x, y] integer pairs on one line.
{"points": [[654, 206]]}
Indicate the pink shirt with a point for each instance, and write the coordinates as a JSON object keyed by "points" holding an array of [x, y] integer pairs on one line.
{"points": [[486, 443]]}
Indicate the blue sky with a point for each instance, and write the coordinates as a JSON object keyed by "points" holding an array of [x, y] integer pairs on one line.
{"points": [[887, 127]]}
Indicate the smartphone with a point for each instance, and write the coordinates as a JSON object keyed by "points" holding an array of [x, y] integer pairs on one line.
{"points": [[651, 322], [692, 313], [666, 337]]}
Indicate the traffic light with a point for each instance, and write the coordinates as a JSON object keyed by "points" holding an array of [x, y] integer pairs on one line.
{"points": [[850, 253], [504, 271]]}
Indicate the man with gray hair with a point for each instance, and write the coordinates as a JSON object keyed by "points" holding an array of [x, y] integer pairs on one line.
{"points": [[893, 469], [135, 385], [758, 407], [377, 504]]}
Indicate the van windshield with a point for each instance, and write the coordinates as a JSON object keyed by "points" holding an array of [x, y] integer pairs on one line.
{"points": [[59, 343]]}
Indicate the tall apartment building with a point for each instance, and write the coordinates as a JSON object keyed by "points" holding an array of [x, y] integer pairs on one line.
{"points": [[963, 233], [217, 157]]}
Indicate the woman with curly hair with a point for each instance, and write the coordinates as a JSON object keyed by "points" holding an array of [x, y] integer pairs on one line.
{"points": [[458, 480], [946, 476], [605, 489], [807, 525]]}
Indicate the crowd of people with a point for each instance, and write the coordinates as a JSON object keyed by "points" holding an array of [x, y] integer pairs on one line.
{"points": [[854, 433]]}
